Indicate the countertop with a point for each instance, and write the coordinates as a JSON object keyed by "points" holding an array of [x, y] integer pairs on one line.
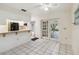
{"points": [[6, 32]]}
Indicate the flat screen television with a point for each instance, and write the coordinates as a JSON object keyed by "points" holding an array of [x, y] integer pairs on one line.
{"points": [[14, 26]]}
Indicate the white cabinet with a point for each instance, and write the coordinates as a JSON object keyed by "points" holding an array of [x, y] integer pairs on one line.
{"points": [[7, 42], [23, 37], [11, 40]]}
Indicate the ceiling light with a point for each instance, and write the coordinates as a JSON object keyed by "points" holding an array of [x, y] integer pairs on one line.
{"points": [[46, 9]]}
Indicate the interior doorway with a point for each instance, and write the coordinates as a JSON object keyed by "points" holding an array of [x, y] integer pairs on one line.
{"points": [[54, 29], [33, 28], [50, 29]]}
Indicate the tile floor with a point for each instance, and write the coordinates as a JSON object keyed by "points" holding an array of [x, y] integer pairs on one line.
{"points": [[41, 47]]}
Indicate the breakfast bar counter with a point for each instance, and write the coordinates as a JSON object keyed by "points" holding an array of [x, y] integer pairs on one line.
{"points": [[11, 39], [6, 32]]}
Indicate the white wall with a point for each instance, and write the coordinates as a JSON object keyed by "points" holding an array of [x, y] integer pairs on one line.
{"points": [[64, 25], [4, 15], [64, 22], [75, 32], [3, 28], [13, 14], [75, 37], [37, 29]]}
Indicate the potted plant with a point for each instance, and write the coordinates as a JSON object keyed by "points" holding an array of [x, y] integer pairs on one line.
{"points": [[53, 30]]}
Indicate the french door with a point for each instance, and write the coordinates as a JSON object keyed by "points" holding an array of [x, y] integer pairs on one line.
{"points": [[44, 27]]}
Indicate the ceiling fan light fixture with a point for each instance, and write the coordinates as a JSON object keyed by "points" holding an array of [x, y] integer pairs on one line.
{"points": [[45, 6]]}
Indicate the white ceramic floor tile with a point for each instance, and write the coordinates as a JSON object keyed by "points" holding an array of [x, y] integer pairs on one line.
{"points": [[41, 47]]}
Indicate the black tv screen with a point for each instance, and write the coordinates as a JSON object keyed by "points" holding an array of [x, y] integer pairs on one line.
{"points": [[14, 26]]}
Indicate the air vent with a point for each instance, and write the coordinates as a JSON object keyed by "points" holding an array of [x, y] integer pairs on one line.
{"points": [[23, 10]]}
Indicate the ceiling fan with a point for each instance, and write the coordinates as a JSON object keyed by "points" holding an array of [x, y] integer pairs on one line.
{"points": [[46, 6], [43, 6]]}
